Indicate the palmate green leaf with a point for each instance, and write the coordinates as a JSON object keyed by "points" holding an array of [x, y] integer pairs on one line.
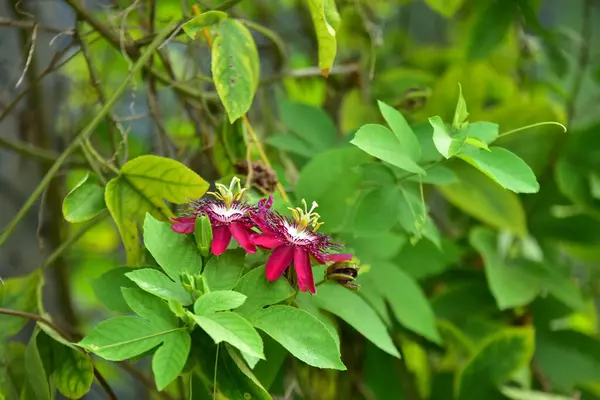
{"points": [[374, 209], [445, 7], [204, 20], [224, 272], [301, 334], [141, 187], [350, 307], [511, 285], [158, 284], [17, 294], [170, 358], [84, 201], [406, 299], [380, 142], [494, 362], [221, 300], [312, 125], [261, 292], [232, 328], [174, 252], [480, 197], [107, 288], [505, 168], [490, 28], [150, 307], [402, 130], [514, 393], [446, 144], [235, 67], [326, 19], [436, 175]]}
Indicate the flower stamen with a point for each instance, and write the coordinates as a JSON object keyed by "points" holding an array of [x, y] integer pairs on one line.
{"points": [[230, 194], [305, 218]]}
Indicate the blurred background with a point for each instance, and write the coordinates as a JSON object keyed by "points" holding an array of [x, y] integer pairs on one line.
{"points": [[519, 62]]}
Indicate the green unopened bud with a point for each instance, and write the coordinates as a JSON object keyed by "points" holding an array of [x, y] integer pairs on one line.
{"points": [[193, 284], [343, 272], [204, 235], [187, 282]]}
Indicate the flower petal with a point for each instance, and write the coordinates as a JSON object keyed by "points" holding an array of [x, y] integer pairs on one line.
{"points": [[267, 240], [242, 235], [339, 257], [221, 239], [183, 225], [278, 261], [306, 280]]}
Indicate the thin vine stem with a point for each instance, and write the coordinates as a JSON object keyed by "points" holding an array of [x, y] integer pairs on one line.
{"points": [[532, 126], [86, 132]]}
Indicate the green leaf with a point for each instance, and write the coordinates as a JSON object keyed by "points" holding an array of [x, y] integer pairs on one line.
{"points": [[445, 7], [170, 358], [406, 299], [515, 393], [141, 187], [235, 67], [72, 370], [487, 132], [380, 142], [491, 27], [505, 168], [350, 307], [312, 125], [381, 247], [436, 175], [84, 201], [325, 18], [402, 130], [480, 197], [330, 180], [17, 294], [232, 328], [158, 284], [108, 286], [224, 272], [512, 286], [496, 360], [373, 211], [446, 145], [301, 334], [261, 292], [13, 376], [34, 365], [174, 252], [221, 300], [204, 20], [291, 144], [123, 337], [461, 114], [150, 307]]}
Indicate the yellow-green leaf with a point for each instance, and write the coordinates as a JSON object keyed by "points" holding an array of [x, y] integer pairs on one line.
{"points": [[326, 20], [235, 67], [85, 201], [141, 187], [199, 22]]}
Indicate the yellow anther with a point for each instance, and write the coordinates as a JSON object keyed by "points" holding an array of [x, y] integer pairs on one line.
{"points": [[305, 217], [229, 194]]}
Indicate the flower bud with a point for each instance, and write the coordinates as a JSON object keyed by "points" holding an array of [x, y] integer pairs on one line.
{"points": [[343, 272], [204, 236], [193, 283]]}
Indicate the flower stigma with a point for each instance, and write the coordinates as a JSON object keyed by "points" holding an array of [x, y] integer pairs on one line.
{"points": [[305, 218], [230, 194]]}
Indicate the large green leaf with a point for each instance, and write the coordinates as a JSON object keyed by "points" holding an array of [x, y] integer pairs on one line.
{"points": [[17, 294], [511, 285], [402, 130], [483, 199], [326, 19], [373, 212], [261, 292], [235, 67], [220, 300], [504, 167], [204, 20], [141, 187], [170, 358], [158, 284], [224, 272], [330, 180], [406, 299], [107, 288], [301, 334], [174, 252], [232, 328], [311, 124], [445, 7], [490, 28], [84, 201], [350, 307], [494, 362], [380, 142]]}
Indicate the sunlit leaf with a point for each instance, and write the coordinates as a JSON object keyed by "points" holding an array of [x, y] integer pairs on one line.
{"points": [[220, 300], [84, 201], [204, 20], [445, 7], [325, 18], [158, 284], [402, 130], [444, 142], [141, 187]]}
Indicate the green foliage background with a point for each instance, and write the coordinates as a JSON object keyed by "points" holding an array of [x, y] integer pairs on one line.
{"points": [[484, 286]]}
